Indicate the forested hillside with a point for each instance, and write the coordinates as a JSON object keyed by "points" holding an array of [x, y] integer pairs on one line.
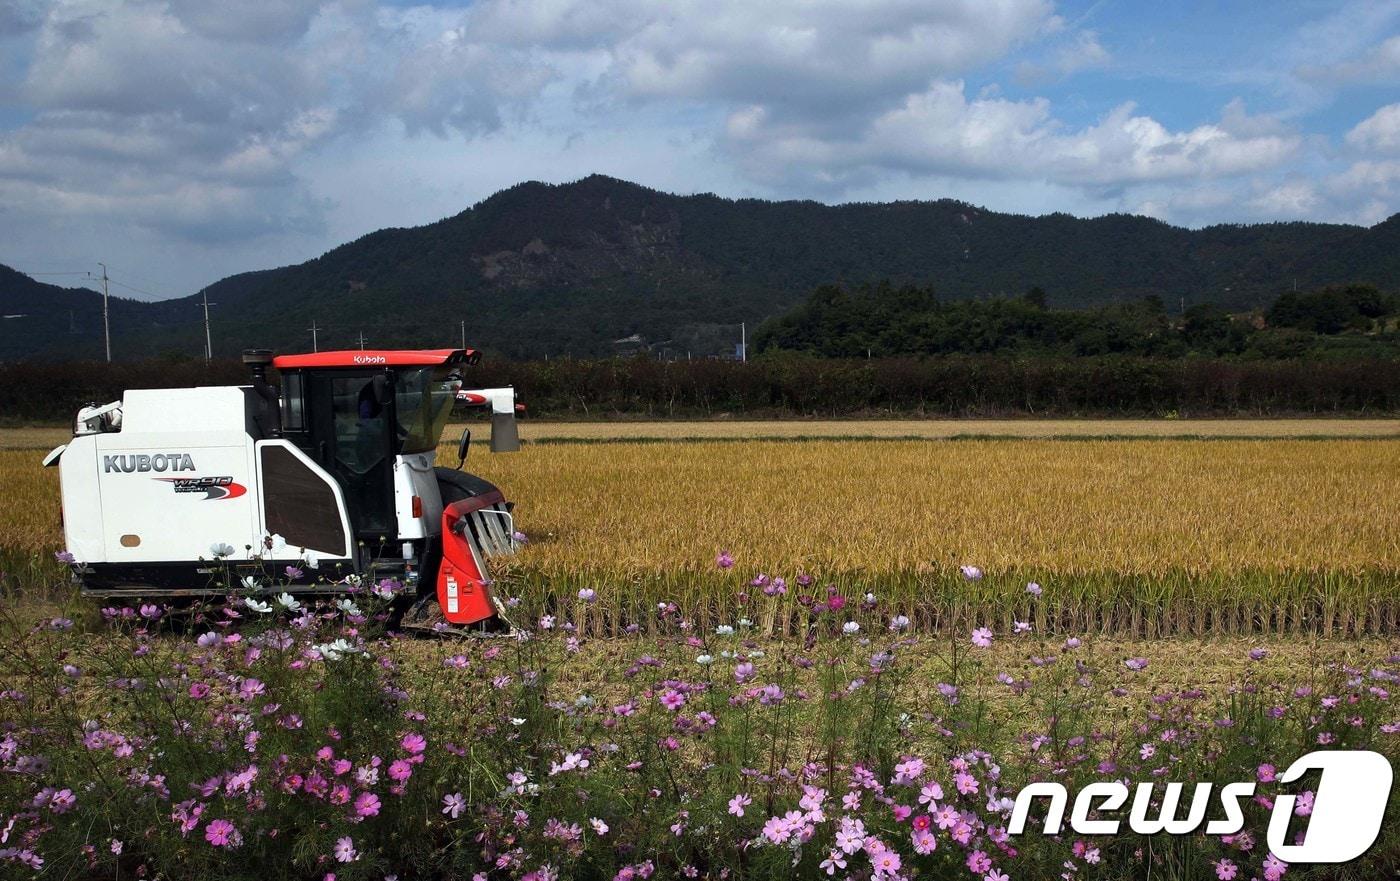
{"points": [[541, 270]]}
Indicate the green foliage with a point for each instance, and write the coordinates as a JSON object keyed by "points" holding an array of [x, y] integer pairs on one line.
{"points": [[1338, 381], [883, 320]]}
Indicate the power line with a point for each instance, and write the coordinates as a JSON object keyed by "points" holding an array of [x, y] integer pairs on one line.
{"points": [[142, 290]]}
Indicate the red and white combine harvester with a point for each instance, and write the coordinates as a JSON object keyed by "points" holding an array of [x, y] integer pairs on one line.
{"points": [[185, 492]]}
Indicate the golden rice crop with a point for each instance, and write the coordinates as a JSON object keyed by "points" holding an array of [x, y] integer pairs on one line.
{"points": [[1129, 507], [1128, 535]]}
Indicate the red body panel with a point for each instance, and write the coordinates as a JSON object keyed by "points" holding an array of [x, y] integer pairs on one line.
{"points": [[462, 589], [374, 358]]}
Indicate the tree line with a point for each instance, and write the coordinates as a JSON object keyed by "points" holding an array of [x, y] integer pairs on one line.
{"points": [[794, 385], [884, 320]]}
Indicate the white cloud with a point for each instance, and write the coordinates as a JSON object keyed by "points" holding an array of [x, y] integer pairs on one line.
{"points": [[1082, 51], [822, 54], [1379, 132], [941, 131], [1377, 64]]}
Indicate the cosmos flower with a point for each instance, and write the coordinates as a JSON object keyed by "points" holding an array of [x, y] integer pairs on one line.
{"points": [[738, 803], [453, 804]]}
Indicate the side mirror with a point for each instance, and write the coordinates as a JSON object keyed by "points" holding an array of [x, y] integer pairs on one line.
{"points": [[463, 446], [383, 390]]}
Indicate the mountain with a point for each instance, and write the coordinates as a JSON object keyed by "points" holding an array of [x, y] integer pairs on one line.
{"points": [[543, 269]]}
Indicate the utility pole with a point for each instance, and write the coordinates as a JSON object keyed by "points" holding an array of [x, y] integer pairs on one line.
{"points": [[743, 342], [464, 333], [313, 329], [208, 340], [106, 327], [362, 341]]}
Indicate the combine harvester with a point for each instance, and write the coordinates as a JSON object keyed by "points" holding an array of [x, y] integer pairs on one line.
{"points": [[186, 492]]}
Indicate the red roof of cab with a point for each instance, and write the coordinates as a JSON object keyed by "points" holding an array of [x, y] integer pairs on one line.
{"points": [[375, 358]]}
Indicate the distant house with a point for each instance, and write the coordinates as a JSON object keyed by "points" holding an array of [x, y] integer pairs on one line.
{"points": [[629, 345]]}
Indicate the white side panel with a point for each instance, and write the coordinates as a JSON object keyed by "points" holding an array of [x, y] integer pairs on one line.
{"points": [[170, 496], [82, 501], [168, 411], [414, 476]]}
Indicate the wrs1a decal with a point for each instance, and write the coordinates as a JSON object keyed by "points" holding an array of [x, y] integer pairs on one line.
{"points": [[212, 487]]}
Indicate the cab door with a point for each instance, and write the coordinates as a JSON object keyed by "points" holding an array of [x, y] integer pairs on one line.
{"points": [[352, 419]]}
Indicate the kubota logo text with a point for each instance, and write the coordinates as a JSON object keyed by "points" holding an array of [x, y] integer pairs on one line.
{"points": [[1346, 814], [370, 359], [148, 462]]}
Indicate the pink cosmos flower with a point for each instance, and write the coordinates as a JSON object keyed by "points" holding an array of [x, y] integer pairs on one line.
{"points": [[672, 700], [453, 804], [345, 850], [1136, 663], [62, 801], [777, 830], [1033, 589], [1225, 870], [835, 860], [738, 803], [1274, 868], [886, 864], [967, 784], [982, 637], [367, 805], [219, 833], [724, 560], [978, 862], [413, 743], [399, 770], [199, 691]]}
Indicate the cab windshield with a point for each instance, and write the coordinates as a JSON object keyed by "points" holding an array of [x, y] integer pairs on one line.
{"points": [[422, 403]]}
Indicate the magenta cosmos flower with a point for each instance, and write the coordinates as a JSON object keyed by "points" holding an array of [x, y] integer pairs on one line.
{"points": [[367, 805], [220, 833]]}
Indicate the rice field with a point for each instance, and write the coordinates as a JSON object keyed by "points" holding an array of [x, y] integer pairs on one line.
{"points": [[1137, 537]]}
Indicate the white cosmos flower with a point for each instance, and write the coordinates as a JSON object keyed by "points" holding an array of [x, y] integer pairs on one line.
{"points": [[250, 583], [850, 627], [334, 651], [348, 607], [288, 602], [257, 605]]}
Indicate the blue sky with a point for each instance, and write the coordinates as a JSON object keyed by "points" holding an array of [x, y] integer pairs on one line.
{"points": [[183, 140]]}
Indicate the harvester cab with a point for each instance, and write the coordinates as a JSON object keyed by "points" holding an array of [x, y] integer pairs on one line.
{"points": [[317, 485]]}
